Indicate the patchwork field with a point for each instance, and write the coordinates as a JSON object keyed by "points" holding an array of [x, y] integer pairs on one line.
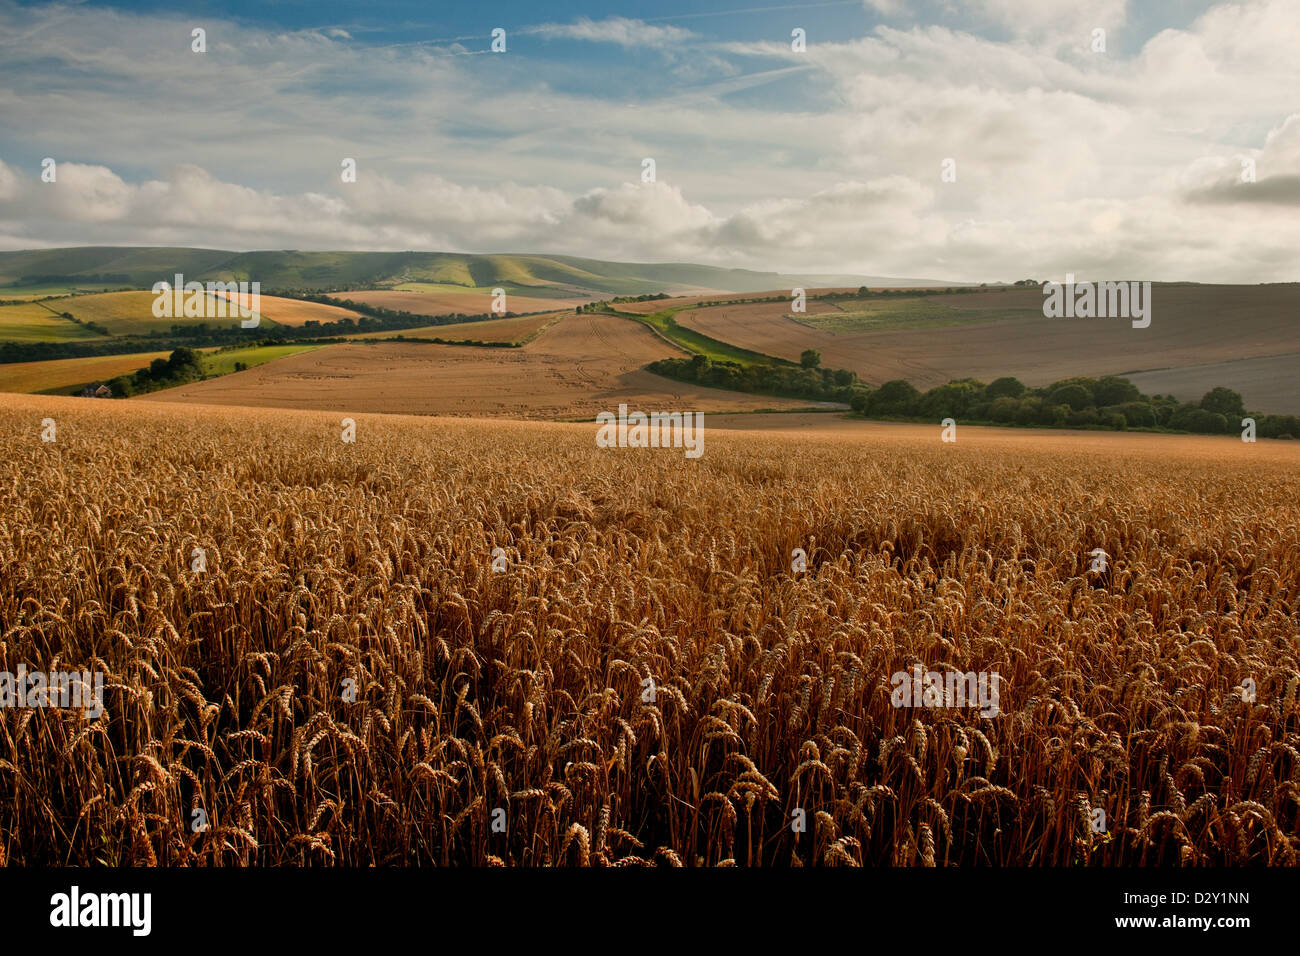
{"points": [[520, 328], [293, 312], [649, 678], [223, 362], [33, 322], [582, 365], [127, 313], [922, 312], [28, 292], [445, 300]]}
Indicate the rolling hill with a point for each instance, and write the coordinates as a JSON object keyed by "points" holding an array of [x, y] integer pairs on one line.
{"points": [[141, 266]]}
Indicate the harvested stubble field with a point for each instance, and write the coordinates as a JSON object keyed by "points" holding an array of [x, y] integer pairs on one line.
{"points": [[526, 691], [447, 301], [520, 328]]}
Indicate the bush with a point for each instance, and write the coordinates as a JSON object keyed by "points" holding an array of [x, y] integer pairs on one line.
{"points": [[1192, 418], [1005, 387], [1136, 414], [1113, 390], [1004, 409], [1225, 402], [949, 401], [896, 397], [1277, 426], [1076, 396], [1082, 417], [1054, 415], [1028, 410]]}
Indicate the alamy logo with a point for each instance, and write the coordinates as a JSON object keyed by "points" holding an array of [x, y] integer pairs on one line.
{"points": [[192, 300], [950, 689], [656, 430], [1102, 300], [74, 908], [61, 689]]}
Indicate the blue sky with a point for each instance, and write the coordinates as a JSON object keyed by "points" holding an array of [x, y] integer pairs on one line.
{"points": [[1120, 162]]}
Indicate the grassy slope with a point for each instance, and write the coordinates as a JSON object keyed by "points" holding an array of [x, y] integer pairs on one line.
{"points": [[323, 271], [223, 363], [35, 322], [922, 312], [131, 313]]}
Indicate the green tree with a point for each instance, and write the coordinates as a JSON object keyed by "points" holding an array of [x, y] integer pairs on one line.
{"points": [[860, 398], [1192, 418], [810, 358], [1076, 396], [1008, 386], [951, 400], [1004, 409], [1136, 414], [1113, 390], [1089, 385], [1225, 402], [897, 397]]}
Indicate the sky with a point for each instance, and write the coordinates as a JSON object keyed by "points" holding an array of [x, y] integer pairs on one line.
{"points": [[970, 140]]}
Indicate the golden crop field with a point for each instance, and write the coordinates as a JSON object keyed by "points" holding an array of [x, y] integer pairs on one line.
{"points": [[291, 312], [345, 678], [522, 328]]}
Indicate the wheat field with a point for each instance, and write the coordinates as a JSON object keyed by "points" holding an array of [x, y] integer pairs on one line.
{"points": [[348, 681]]}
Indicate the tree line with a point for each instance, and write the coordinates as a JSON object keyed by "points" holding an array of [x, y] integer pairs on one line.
{"points": [[1110, 402]]}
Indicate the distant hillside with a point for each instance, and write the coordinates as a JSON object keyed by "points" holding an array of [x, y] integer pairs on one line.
{"points": [[290, 270]]}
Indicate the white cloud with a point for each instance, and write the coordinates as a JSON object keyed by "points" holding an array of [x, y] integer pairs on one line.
{"points": [[1054, 18], [619, 30]]}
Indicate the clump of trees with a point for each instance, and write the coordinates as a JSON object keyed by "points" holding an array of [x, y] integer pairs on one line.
{"points": [[1110, 402], [182, 366], [651, 297]]}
